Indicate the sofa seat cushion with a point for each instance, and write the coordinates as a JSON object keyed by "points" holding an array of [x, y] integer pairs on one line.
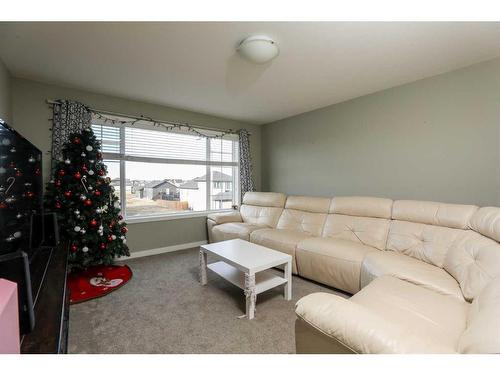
{"points": [[279, 239], [409, 269], [388, 316], [230, 231], [332, 261]]}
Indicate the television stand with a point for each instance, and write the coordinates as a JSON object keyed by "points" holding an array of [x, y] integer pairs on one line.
{"points": [[50, 335]]}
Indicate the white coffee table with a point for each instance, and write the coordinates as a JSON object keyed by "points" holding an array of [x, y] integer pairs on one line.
{"points": [[246, 265]]}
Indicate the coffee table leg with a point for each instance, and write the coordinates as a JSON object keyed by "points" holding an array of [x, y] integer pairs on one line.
{"points": [[203, 267], [288, 277], [251, 297]]}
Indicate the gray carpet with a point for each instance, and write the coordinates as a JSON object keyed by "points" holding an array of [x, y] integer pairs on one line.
{"points": [[164, 309]]}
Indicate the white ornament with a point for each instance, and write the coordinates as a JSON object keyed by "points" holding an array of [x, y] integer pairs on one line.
{"points": [[122, 237], [124, 240], [90, 187], [89, 148], [83, 154], [90, 172], [77, 212], [113, 237], [31, 159], [17, 235], [98, 211], [91, 161], [85, 249], [82, 197], [77, 229], [6, 141], [82, 231], [87, 129], [67, 161], [117, 204]]}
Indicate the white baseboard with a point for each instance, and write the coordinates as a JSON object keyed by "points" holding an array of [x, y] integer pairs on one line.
{"points": [[161, 250]]}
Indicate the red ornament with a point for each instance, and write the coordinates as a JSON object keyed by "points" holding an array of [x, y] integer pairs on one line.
{"points": [[93, 222], [101, 173], [57, 205], [77, 175], [38, 172], [102, 246], [97, 193], [124, 230], [77, 140], [18, 173], [110, 238], [57, 183], [67, 193], [3, 205], [87, 202], [84, 168], [61, 172], [74, 248], [30, 194]]}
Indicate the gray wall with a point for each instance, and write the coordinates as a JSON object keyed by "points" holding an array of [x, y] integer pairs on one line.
{"points": [[31, 118], [5, 94], [434, 139]]}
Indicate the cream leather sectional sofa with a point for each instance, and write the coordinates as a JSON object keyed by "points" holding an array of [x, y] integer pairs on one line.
{"points": [[425, 276]]}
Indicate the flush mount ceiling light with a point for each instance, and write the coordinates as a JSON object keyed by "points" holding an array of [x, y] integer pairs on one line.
{"points": [[258, 49]]}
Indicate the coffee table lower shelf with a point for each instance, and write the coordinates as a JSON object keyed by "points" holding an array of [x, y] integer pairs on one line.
{"points": [[264, 280]]}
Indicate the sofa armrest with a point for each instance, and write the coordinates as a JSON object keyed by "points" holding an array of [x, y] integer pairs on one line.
{"points": [[226, 217], [359, 329]]}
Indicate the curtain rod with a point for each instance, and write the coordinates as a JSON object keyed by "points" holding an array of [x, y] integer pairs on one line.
{"points": [[145, 118]]}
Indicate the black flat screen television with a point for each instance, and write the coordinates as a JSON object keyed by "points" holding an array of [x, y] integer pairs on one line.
{"points": [[23, 224]]}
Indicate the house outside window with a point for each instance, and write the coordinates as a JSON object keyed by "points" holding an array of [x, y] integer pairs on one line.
{"points": [[159, 173]]}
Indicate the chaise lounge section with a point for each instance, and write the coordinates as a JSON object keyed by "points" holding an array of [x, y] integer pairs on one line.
{"points": [[425, 276]]}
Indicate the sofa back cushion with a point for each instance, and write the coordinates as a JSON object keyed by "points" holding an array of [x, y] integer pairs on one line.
{"points": [[304, 214], [428, 243], [434, 213], [474, 261], [487, 222], [256, 198], [262, 208], [362, 206], [483, 323], [364, 220], [427, 230]]}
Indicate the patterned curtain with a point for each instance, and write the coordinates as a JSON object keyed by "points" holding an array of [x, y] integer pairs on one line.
{"points": [[246, 182], [68, 117]]}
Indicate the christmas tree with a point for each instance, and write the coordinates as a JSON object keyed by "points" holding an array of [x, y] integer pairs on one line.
{"points": [[87, 208]]}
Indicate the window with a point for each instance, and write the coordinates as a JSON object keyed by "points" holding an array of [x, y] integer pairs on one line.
{"points": [[159, 172]]}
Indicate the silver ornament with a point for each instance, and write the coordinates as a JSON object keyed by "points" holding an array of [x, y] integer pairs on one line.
{"points": [[67, 161], [77, 228], [113, 237], [82, 231], [77, 212], [32, 159], [83, 154], [89, 148], [90, 172], [85, 249], [82, 197]]}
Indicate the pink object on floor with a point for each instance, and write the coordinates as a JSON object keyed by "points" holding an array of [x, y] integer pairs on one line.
{"points": [[9, 318]]}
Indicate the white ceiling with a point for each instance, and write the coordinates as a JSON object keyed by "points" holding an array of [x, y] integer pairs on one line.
{"points": [[194, 65]]}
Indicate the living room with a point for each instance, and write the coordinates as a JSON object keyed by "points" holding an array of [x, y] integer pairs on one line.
{"points": [[250, 187]]}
